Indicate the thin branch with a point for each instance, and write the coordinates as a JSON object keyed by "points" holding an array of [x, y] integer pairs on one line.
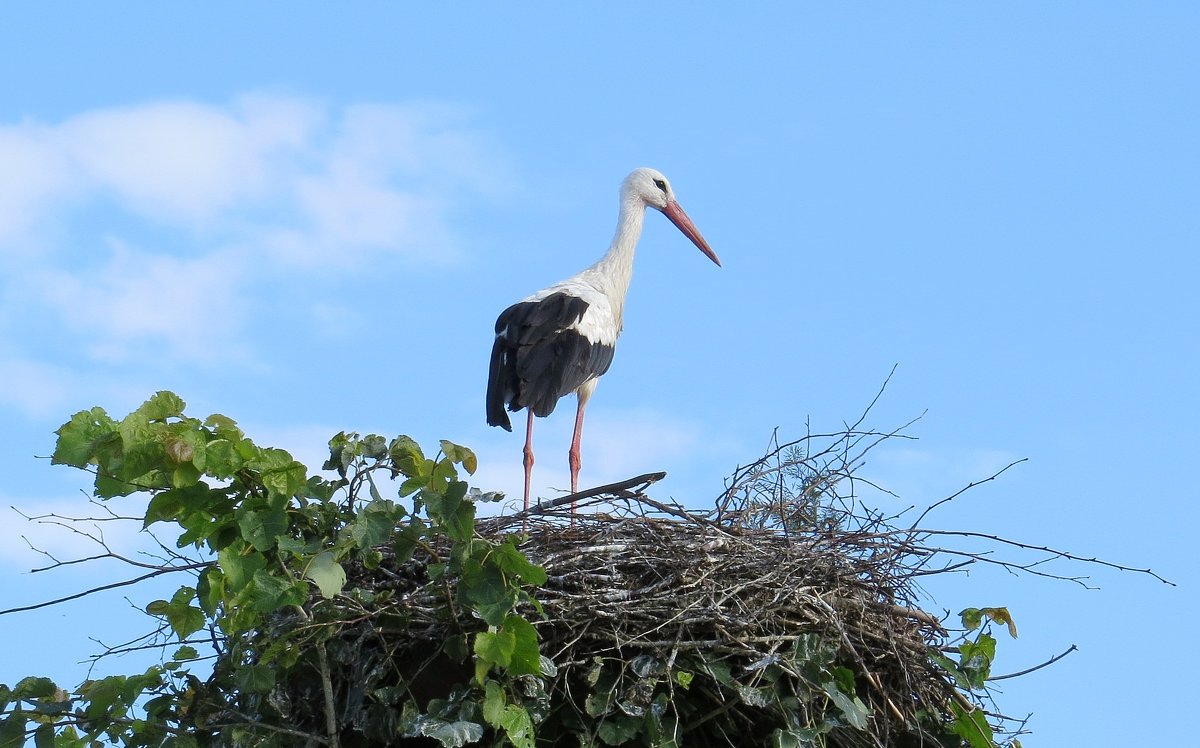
{"points": [[611, 488], [1056, 553], [1026, 671], [966, 488], [102, 588]]}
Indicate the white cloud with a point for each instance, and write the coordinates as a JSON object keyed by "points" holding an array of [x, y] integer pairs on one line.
{"points": [[184, 308], [184, 161], [162, 228]]}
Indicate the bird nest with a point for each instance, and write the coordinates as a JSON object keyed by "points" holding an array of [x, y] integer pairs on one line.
{"points": [[748, 624], [789, 615]]}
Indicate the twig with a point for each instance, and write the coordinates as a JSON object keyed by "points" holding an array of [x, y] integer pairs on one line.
{"points": [[1026, 671], [611, 488], [102, 588]]}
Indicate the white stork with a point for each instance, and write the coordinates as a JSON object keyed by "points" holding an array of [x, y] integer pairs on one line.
{"points": [[562, 338]]}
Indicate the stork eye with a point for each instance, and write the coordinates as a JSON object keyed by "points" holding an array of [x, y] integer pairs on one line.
{"points": [[661, 185]]}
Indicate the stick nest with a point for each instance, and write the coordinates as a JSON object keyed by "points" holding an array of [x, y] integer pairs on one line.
{"points": [[786, 625]]}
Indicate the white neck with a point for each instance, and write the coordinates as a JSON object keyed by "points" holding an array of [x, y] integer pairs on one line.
{"points": [[615, 268]]}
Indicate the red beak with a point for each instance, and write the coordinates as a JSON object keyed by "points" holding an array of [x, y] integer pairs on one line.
{"points": [[684, 224]]}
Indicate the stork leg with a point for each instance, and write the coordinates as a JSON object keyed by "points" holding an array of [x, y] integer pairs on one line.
{"points": [[528, 455], [573, 455]]}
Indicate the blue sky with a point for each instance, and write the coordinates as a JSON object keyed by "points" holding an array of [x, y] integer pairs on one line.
{"points": [[308, 219]]}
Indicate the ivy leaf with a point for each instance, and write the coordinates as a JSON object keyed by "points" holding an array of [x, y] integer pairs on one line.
{"points": [[951, 667], [185, 653], [461, 455], [452, 734], [975, 659], [78, 436], [618, 730], [281, 475], [495, 647], [222, 458], [43, 737], [407, 456], [270, 592], [1001, 615], [12, 731], [375, 523], [525, 659], [971, 618], [33, 687], [328, 574], [255, 678], [484, 588], [261, 528], [238, 565], [161, 405], [973, 727], [852, 708], [223, 426], [514, 563], [184, 618], [165, 506]]}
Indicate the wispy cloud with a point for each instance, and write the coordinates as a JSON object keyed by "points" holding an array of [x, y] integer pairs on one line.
{"points": [[154, 229]]}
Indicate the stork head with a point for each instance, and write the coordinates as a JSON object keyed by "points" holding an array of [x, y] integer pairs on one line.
{"points": [[651, 187]]}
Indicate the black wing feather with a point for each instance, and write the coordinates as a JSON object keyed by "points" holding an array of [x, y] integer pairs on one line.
{"points": [[538, 357]]}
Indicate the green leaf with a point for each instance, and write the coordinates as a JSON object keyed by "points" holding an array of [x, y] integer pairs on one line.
{"points": [[270, 592], [280, 474], [951, 667], [183, 618], [165, 506], [1001, 615], [43, 737], [684, 679], [851, 707], [375, 523], [161, 405], [261, 528], [327, 573], [12, 731], [222, 458], [224, 427], [975, 659], [78, 436], [525, 658], [460, 454], [517, 726], [240, 564], [452, 734], [618, 730], [495, 647], [255, 678], [210, 590], [973, 727], [374, 447], [971, 618], [484, 588], [185, 653], [514, 563], [407, 456], [33, 687]]}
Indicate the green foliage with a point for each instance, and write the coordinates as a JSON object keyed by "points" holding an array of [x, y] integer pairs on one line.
{"points": [[278, 564], [265, 533]]}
